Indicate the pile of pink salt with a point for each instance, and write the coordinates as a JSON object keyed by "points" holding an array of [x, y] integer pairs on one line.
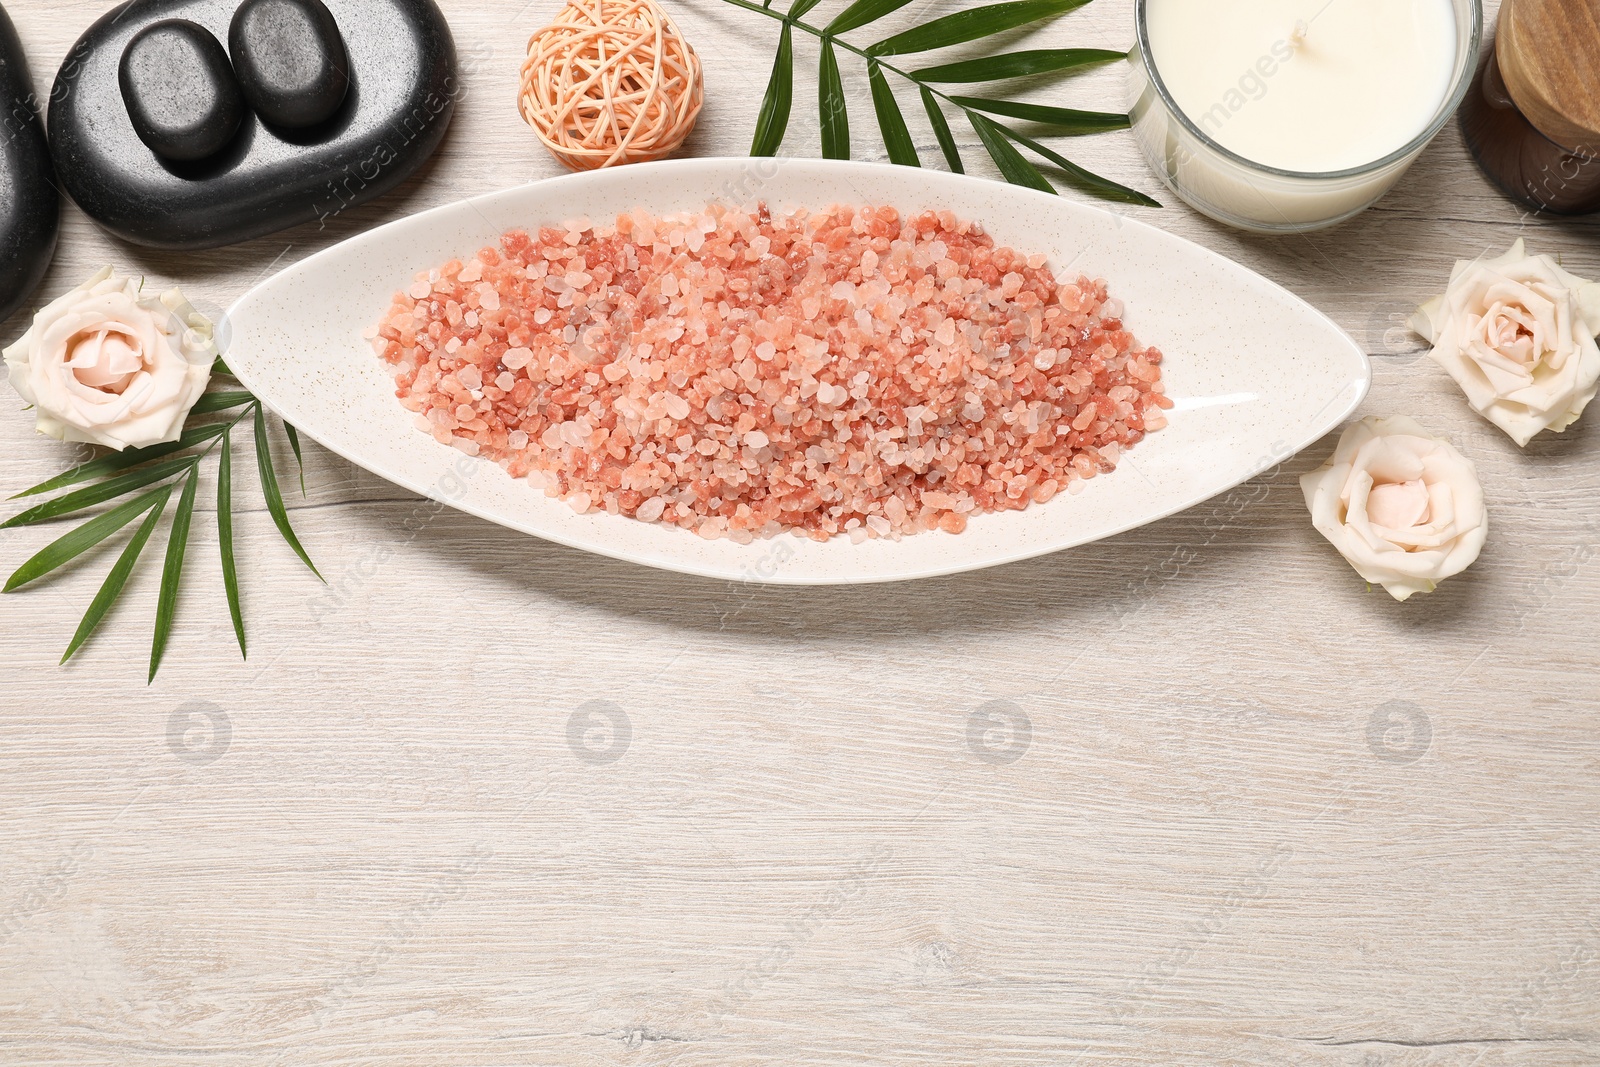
{"points": [[738, 374]]}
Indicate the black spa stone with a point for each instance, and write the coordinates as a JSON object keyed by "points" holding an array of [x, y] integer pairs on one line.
{"points": [[30, 210], [290, 60], [402, 87], [180, 91]]}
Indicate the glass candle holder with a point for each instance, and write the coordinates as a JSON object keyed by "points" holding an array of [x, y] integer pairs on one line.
{"points": [[1249, 195]]}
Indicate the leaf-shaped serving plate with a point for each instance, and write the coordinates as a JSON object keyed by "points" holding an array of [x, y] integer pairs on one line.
{"points": [[1257, 374]]}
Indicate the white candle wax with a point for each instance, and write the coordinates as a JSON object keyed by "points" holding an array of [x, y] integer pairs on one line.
{"points": [[1289, 115], [1306, 85]]}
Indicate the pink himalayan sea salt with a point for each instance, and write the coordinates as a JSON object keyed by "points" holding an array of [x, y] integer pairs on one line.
{"points": [[738, 374]]}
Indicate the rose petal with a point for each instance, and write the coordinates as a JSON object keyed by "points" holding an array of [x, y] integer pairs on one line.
{"points": [[1398, 505]]}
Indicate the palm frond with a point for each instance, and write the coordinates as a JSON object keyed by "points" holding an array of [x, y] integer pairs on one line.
{"points": [[119, 474], [960, 27]]}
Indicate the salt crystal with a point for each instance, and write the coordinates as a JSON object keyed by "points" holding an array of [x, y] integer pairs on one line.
{"points": [[831, 394]]}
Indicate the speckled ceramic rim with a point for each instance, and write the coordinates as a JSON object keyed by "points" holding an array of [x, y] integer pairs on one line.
{"points": [[1452, 101]]}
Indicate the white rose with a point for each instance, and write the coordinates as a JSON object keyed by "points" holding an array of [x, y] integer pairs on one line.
{"points": [[1404, 507], [1518, 335], [108, 366]]}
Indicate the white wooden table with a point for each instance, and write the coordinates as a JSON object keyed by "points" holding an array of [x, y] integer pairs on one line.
{"points": [[485, 800]]}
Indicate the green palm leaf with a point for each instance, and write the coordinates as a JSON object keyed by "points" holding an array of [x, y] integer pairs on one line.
{"points": [[941, 130], [221, 401], [831, 104], [862, 12], [230, 571], [99, 493], [1063, 121], [1018, 65], [969, 25], [131, 457], [299, 460], [172, 573], [1089, 182], [891, 123], [112, 587], [274, 497], [774, 117], [68, 547], [1012, 164]]}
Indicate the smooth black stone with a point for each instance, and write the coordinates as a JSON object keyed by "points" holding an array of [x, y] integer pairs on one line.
{"points": [[290, 60], [30, 209], [180, 91], [403, 88]]}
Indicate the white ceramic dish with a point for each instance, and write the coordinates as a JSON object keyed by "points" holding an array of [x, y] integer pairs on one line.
{"points": [[1257, 373]]}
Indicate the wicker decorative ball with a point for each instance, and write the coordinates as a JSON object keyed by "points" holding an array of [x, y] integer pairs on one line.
{"points": [[611, 81]]}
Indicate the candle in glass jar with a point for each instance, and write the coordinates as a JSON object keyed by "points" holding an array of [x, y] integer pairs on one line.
{"points": [[1306, 85], [1290, 114]]}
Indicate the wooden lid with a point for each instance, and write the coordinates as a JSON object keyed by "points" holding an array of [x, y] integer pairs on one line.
{"points": [[1549, 55]]}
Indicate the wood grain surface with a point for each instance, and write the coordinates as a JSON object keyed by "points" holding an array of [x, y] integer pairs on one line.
{"points": [[1549, 54], [1193, 795]]}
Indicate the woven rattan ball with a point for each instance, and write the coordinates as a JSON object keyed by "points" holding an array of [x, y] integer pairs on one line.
{"points": [[611, 81]]}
